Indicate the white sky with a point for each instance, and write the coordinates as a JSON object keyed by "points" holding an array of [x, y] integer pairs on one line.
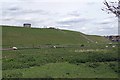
{"points": [[79, 15]]}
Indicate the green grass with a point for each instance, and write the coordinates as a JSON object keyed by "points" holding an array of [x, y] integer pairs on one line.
{"points": [[63, 70], [22, 61], [98, 39], [74, 57], [19, 36]]}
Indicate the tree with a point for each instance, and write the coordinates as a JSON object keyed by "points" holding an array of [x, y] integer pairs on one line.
{"points": [[113, 7]]}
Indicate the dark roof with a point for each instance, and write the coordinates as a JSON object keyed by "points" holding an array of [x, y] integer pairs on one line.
{"points": [[27, 24]]}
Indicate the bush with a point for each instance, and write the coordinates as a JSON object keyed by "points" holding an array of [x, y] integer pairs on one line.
{"points": [[14, 65], [12, 75], [82, 45], [93, 65], [115, 67], [103, 57], [77, 60], [25, 59]]}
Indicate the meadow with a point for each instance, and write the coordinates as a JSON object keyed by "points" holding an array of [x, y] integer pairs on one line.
{"points": [[76, 55]]}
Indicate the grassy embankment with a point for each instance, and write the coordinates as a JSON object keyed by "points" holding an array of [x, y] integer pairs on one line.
{"points": [[77, 55]]}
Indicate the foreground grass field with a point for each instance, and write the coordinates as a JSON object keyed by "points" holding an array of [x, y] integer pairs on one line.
{"points": [[76, 55], [63, 70], [55, 63]]}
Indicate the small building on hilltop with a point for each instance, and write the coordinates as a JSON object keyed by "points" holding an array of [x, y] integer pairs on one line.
{"points": [[27, 25]]}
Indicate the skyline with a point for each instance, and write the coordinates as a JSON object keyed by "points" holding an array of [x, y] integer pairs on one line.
{"points": [[77, 15]]}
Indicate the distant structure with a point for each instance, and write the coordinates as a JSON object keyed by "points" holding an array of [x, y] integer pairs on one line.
{"points": [[113, 38], [27, 25]]}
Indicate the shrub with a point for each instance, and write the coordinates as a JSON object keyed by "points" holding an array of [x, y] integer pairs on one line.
{"points": [[12, 75], [115, 67], [93, 65], [82, 45], [14, 65], [77, 60], [103, 57]]}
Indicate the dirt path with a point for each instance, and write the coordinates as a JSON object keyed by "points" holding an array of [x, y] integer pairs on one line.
{"points": [[87, 38], [5, 49]]}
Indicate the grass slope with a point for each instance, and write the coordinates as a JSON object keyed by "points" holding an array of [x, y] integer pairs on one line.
{"points": [[19, 36], [93, 60]]}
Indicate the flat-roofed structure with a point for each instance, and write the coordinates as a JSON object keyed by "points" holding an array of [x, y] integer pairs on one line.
{"points": [[28, 25]]}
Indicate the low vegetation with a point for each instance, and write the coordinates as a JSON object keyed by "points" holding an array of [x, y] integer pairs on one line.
{"points": [[52, 53]]}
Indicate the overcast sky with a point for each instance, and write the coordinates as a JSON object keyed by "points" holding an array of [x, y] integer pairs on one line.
{"points": [[79, 15]]}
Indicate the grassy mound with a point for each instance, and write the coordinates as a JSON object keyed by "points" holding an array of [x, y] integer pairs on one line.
{"points": [[19, 36]]}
